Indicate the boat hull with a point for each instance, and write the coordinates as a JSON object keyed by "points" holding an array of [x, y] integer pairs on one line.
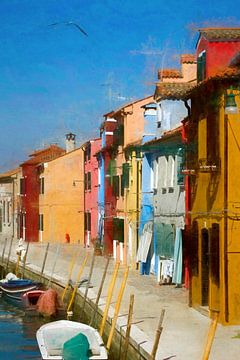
{"points": [[52, 336], [14, 290]]}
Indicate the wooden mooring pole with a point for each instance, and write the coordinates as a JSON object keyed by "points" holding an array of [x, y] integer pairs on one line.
{"points": [[88, 284], [44, 261], [69, 312], [92, 321], [117, 307], [25, 260], [3, 253], [157, 336], [210, 338], [9, 253], [128, 329], [109, 297], [71, 266]]}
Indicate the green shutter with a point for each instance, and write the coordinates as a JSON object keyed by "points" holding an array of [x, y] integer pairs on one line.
{"points": [[118, 229], [116, 185], [125, 173]]}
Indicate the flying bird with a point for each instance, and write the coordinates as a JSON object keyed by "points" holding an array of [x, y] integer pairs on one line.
{"points": [[70, 23]]}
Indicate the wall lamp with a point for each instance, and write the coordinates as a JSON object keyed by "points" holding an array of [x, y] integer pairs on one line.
{"points": [[76, 181], [230, 103]]}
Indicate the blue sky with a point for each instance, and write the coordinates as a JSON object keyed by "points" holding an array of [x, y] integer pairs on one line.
{"points": [[53, 79]]}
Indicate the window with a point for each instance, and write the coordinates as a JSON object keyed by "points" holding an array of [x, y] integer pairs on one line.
{"points": [[118, 135], [4, 211], [40, 222], [87, 153], [22, 186], [214, 253], [201, 66], [125, 173], [115, 185], [41, 185], [87, 221], [118, 229], [89, 181], [8, 211]]}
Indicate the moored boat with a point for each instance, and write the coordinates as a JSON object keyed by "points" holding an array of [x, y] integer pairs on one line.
{"points": [[51, 338], [15, 289]]}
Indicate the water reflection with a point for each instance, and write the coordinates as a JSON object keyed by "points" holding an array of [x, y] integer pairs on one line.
{"points": [[17, 333]]}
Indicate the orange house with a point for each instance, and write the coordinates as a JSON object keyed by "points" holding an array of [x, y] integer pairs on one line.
{"points": [[61, 199]]}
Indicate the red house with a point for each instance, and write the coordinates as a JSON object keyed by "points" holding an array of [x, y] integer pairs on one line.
{"points": [[30, 188], [91, 190], [106, 198], [215, 49]]}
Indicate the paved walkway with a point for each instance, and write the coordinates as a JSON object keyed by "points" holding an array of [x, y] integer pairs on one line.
{"points": [[184, 329]]}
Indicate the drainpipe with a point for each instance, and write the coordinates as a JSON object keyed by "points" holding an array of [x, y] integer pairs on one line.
{"points": [[225, 216]]}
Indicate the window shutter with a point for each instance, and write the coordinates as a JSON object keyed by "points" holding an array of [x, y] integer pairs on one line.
{"points": [[116, 185], [89, 181], [89, 221], [180, 177], [85, 181], [125, 173], [122, 186], [214, 254], [118, 229]]}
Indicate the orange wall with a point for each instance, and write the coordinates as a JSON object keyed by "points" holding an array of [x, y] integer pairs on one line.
{"points": [[62, 203]]}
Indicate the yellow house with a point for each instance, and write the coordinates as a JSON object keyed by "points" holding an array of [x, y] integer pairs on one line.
{"points": [[61, 199], [213, 163]]}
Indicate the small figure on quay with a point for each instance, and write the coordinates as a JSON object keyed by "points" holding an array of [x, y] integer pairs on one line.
{"points": [[67, 238], [20, 249]]}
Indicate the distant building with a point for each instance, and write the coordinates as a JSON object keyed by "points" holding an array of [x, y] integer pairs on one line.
{"points": [[91, 187], [61, 198], [10, 203], [30, 188]]}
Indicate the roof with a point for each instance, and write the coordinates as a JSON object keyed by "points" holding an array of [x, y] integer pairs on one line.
{"points": [[166, 135], [44, 155], [226, 74], [172, 91], [112, 113], [9, 173], [219, 34], [188, 58], [169, 73], [41, 151]]}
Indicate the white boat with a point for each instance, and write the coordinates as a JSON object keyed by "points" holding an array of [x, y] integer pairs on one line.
{"points": [[52, 336]]}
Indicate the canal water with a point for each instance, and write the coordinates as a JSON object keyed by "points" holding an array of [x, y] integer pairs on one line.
{"points": [[18, 333]]}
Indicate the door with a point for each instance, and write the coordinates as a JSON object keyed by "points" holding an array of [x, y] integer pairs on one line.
{"points": [[205, 267]]}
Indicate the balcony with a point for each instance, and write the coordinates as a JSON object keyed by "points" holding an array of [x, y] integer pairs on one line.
{"points": [[208, 166]]}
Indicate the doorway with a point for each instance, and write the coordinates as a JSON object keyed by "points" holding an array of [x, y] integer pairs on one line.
{"points": [[205, 267]]}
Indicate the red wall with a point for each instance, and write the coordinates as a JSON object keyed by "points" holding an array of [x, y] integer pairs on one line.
{"points": [[91, 197], [30, 201], [219, 54]]}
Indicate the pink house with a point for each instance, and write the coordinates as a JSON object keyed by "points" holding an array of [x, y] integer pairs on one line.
{"points": [[91, 190]]}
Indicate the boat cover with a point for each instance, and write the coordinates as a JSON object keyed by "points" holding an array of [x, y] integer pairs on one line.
{"points": [[76, 348]]}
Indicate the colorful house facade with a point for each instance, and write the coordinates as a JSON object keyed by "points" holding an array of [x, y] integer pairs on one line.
{"points": [[213, 137], [61, 200], [30, 188], [10, 203], [91, 182]]}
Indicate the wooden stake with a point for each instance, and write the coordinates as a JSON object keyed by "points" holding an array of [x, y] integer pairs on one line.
{"points": [[99, 293], [129, 324], [157, 336], [109, 297], [25, 260], [88, 284], [117, 307], [4, 248], [3, 253], [17, 264], [54, 265], [210, 337], [71, 266], [76, 285], [44, 261], [10, 248]]}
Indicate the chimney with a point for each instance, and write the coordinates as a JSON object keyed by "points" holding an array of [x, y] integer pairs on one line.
{"points": [[70, 142]]}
